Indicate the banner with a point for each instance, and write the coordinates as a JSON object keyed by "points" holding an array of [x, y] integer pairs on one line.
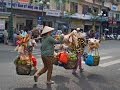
{"points": [[2, 24], [23, 6], [23, 1]]}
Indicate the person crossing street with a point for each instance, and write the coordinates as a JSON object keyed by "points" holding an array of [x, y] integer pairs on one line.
{"points": [[47, 54]]}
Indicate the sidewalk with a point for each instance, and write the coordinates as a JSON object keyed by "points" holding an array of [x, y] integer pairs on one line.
{"points": [[6, 47]]}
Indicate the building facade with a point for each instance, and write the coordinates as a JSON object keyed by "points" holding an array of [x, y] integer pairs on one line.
{"points": [[63, 15]]}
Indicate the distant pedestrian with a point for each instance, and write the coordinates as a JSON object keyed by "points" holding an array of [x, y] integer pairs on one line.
{"points": [[5, 37], [35, 34], [23, 33], [14, 38], [47, 54], [97, 35], [91, 34]]}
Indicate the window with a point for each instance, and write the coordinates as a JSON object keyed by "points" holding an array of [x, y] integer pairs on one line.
{"points": [[88, 10], [74, 7], [117, 16], [60, 6], [85, 9], [110, 14], [95, 10]]}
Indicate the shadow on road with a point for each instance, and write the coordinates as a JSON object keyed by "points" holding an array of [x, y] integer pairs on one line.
{"points": [[86, 78], [61, 81], [96, 78], [35, 87]]}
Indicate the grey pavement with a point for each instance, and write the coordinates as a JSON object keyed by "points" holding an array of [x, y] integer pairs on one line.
{"points": [[106, 76]]}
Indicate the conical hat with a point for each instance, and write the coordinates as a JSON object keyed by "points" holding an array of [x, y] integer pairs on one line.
{"points": [[47, 29]]}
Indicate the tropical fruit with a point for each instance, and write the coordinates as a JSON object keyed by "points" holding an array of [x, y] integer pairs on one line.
{"points": [[73, 57], [24, 62], [19, 62]]}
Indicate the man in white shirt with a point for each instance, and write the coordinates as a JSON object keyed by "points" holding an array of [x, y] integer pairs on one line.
{"points": [[5, 37]]}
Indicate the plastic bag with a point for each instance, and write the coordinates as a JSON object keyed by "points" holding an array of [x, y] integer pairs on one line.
{"points": [[90, 60], [63, 57]]}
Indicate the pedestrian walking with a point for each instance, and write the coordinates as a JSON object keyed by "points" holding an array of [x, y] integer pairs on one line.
{"points": [[97, 35], [35, 34], [47, 54], [5, 37], [14, 38], [80, 49], [91, 34]]}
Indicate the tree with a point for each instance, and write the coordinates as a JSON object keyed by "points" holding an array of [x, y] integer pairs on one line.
{"points": [[61, 3], [94, 13]]}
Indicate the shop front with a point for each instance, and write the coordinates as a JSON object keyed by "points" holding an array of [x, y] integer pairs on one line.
{"points": [[87, 25], [4, 18], [77, 23]]}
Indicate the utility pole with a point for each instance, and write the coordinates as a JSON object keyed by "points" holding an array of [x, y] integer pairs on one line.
{"points": [[11, 23], [101, 26]]}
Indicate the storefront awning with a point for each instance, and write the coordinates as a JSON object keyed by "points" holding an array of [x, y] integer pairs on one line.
{"points": [[4, 15], [81, 16], [103, 19], [100, 18]]}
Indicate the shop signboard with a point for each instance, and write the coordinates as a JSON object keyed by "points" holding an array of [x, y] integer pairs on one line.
{"points": [[56, 13], [114, 8], [2, 24], [40, 20], [24, 1], [22, 6]]}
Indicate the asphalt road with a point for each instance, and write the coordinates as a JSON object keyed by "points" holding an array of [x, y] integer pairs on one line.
{"points": [[106, 76]]}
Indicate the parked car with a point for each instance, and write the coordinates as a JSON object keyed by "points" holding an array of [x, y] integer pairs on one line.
{"points": [[1, 36]]}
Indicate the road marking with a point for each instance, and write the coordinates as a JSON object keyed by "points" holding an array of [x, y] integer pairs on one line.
{"points": [[119, 69], [36, 53], [106, 57], [13, 51], [101, 53], [109, 63]]}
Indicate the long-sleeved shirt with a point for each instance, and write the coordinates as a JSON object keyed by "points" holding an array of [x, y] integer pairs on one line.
{"points": [[47, 46]]}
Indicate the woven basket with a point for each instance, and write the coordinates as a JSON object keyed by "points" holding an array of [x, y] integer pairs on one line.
{"points": [[23, 69], [96, 60], [71, 65]]}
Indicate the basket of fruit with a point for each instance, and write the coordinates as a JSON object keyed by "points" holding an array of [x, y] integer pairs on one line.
{"points": [[23, 67], [72, 63]]}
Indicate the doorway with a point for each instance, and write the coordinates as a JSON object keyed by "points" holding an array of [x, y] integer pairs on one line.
{"points": [[29, 24]]}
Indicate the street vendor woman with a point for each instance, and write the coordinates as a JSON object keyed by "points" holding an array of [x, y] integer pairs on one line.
{"points": [[47, 54], [80, 48]]}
